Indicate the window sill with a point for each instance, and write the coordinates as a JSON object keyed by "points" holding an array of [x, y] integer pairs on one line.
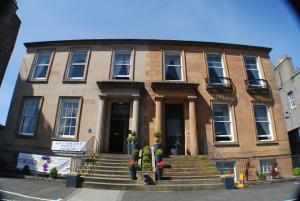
{"points": [[226, 144], [26, 136], [38, 81], [64, 139], [75, 81], [267, 143]]}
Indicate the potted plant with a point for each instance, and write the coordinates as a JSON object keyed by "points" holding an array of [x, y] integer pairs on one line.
{"points": [[135, 155], [159, 170], [158, 155], [53, 173], [157, 136], [147, 166], [133, 166], [274, 174], [129, 141], [134, 140], [177, 145]]}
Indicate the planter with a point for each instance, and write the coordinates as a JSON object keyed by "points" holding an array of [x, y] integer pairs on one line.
{"points": [[175, 151], [157, 146], [129, 149], [229, 183], [158, 159], [159, 173], [132, 174], [134, 146]]}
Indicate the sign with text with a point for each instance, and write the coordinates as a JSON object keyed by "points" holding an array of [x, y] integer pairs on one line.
{"points": [[68, 146], [44, 163]]}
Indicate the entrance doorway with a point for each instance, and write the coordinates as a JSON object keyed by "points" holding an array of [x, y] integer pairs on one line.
{"points": [[119, 124], [174, 124]]}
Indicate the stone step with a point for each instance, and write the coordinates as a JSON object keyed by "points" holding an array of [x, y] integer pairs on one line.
{"points": [[109, 180], [170, 173], [184, 187], [115, 172], [115, 156], [187, 177], [106, 175], [194, 169], [182, 165], [113, 186], [190, 181], [111, 160], [187, 157], [104, 163], [111, 168]]}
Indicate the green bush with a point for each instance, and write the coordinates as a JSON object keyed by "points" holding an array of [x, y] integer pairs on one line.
{"points": [[133, 133], [147, 148], [147, 153], [157, 137], [135, 152], [147, 167], [53, 173], [159, 153], [146, 159], [134, 139], [129, 139], [296, 171], [262, 176], [26, 170]]}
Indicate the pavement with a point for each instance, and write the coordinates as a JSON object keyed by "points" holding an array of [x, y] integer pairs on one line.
{"points": [[55, 190]]}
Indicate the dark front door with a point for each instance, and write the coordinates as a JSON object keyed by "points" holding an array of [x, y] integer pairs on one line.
{"points": [[174, 120], [118, 127]]}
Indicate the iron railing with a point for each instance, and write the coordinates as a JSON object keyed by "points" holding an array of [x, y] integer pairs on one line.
{"points": [[258, 86], [219, 84]]}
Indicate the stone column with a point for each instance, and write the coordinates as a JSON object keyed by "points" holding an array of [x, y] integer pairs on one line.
{"points": [[193, 125], [135, 112], [101, 118], [158, 113]]}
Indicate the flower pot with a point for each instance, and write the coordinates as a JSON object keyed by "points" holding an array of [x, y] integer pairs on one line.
{"points": [[129, 149], [134, 146], [158, 159], [157, 146], [175, 151], [159, 173], [132, 174]]}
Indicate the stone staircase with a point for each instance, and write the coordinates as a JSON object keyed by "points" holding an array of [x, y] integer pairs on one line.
{"points": [[109, 171]]}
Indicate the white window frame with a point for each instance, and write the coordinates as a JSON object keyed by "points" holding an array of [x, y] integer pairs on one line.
{"points": [[222, 63], [269, 121], [266, 166], [23, 116], [230, 121], [258, 68], [77, 64], [292, 99], [166, 53], [114, 64], [67, 117], [35, 65]]}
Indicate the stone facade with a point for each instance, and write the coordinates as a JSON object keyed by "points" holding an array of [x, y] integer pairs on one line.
{"points": [[148, 93], [288, 84], [10, 25]]}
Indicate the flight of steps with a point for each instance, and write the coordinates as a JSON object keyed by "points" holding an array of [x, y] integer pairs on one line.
{"points": [[109, 171], [190, 173]]}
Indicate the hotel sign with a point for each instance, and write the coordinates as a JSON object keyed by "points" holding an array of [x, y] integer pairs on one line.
{"points": [[69, 146]]}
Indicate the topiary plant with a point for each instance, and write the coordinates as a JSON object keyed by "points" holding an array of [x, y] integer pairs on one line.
{"points": [[157, 137], [146, 159], [129, 139], [147, 167], [135, 152], [262, 176], [147, 148], [147, 153], [159, 153], [53, 173], [133, 133], [26, 170], [133, 139], [296, 171]]}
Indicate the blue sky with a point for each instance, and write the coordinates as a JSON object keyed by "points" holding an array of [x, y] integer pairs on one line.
{"points": [[268, 23]]}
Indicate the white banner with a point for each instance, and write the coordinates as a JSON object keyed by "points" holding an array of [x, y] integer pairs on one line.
{"points": [[68, 146], [44, 163]]}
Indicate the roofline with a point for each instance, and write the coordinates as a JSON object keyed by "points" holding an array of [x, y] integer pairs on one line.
{"points": [[143, 41]]}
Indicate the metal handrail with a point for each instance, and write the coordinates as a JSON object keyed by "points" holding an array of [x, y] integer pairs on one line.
{"points": [[219, 83], [257, 84]]}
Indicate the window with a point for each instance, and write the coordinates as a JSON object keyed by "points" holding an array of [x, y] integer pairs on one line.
{"points": [[263, 124], [226, 167], [68, 117], [122, 64], [253, 71], [30, 116], [77, 64], [266, 165], [292, 100], [222, 122], [215, 68], [173, 66], [41, 65]]}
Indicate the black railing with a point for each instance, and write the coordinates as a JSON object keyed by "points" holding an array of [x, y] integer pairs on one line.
{"points": [[219, 84], [258, 86]]}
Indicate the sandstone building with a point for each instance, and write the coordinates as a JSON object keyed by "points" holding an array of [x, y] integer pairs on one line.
{"points": [[217, 96]]}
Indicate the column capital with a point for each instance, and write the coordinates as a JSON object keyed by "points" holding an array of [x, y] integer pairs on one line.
{"points": [[136, 96], [103, 96], [158, 97], [192, 98]]}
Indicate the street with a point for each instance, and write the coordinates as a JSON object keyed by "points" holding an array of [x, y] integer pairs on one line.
{"points": [[56, 190]]}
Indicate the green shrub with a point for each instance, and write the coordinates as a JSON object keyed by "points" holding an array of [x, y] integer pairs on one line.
{"points": [[157, 137], [146, 159], [26, 170], [135, 152], [147, 153], [133, 133], [146, 148], [159, 153], [262, 176], [296, 171], [53, 173], [129, 139], [134, 139], [147, 167]]}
